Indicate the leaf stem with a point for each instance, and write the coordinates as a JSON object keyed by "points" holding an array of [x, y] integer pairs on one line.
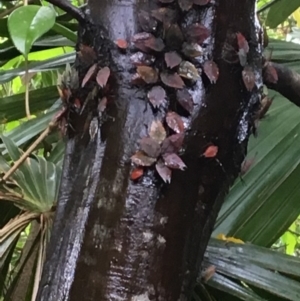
{"points": [[27, 108]]}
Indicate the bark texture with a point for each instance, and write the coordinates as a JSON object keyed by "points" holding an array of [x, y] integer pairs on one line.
{"points": [[287, 82], [118, 239]]}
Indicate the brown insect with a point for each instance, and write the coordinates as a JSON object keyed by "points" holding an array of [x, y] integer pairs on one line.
{"points": [[208, 273]]}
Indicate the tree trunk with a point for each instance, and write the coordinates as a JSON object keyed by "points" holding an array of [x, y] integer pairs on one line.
{"points": [[115, 238]]}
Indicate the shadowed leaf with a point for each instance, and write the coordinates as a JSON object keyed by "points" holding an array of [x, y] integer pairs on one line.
{"points": [[174, 37]]}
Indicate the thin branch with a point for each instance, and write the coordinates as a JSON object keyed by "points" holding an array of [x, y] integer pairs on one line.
{"points": [[72, 10], [288, 83]]}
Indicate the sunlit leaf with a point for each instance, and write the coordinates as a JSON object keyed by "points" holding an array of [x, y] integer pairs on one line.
{"points": [[27, 23]]}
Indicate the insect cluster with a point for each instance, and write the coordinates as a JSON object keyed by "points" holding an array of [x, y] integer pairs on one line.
{"points": [[68, 88], [169, 58], [67, 83]]}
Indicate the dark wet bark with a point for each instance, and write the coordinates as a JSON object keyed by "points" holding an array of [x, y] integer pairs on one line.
{"points": [[115, 239], [288, 83]]}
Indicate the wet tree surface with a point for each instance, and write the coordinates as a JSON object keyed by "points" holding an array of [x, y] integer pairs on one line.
{"points": [[119, 236]]}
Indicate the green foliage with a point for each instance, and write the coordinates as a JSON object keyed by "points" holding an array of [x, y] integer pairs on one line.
{"points": [[289, 238], [266, 202], [280, 11], [28, 23], [259, 209], [249, 272], [27, 199], [33, 188]]}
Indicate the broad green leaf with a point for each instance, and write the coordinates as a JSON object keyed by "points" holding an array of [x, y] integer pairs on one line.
{"points": [[28, 23], [280, 11], [62, 20], [65, 32]]}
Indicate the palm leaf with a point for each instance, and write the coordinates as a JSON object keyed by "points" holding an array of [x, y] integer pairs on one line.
{"points": [[33, 188], [244, 270], [13, 108], [46, 65]]}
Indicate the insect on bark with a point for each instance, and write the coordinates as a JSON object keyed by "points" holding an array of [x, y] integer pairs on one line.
{"points": [[94, 127]]}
